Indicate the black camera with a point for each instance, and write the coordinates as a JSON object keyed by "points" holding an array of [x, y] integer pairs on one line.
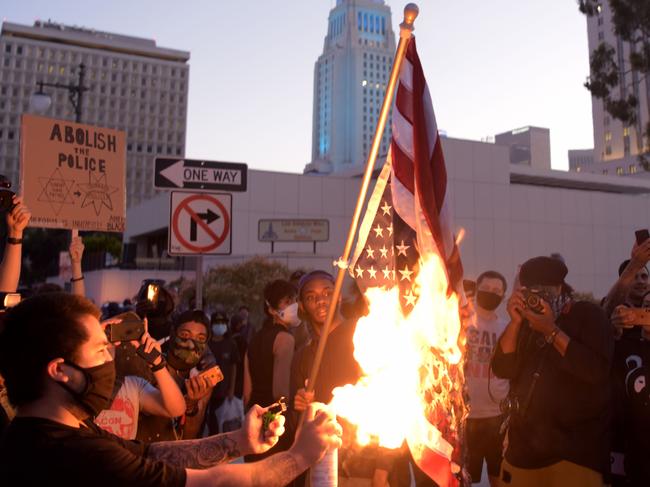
{"points": [[6, 195], [533, 300]]}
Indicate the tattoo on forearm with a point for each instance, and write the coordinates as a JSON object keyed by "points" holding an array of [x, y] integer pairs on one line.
{"points": [[275, 471], [200, 454]]}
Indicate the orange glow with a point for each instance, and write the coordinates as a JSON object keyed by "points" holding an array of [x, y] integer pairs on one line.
{"points": [[412, 368]]}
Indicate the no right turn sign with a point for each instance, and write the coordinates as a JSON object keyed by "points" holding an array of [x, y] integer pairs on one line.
{"points": [[200, 223]]}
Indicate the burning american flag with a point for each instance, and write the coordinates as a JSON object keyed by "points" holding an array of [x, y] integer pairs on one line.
{"points": [[408, 265]]}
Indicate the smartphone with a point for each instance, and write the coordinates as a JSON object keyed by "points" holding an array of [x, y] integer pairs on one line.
{"points": [[152, 293], [641, 316], [130, 327], [213, 375], [9, 300], [642, 236]]}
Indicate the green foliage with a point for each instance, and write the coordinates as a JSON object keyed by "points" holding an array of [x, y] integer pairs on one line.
{"points": [[631, 19], [103, 242], [41, 249], [232, 286]]}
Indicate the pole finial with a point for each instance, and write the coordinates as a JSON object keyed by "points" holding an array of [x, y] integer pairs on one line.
{"points": [[411, 12]]}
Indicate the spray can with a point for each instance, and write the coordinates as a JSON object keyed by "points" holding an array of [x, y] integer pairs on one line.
{"points": [[326, 472]]}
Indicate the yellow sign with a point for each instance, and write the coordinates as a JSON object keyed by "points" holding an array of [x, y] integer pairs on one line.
{"points": [[73, 175]]}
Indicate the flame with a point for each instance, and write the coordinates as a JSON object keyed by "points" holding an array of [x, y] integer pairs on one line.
{"points": [[412, 368]]}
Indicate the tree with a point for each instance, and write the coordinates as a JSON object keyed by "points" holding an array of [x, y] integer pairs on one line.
{"points": [[232, 286], [631, 20]]}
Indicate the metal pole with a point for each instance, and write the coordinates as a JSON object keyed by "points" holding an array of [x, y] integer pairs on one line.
{"points": [[80, 92], [198, 300], [406, 29]]}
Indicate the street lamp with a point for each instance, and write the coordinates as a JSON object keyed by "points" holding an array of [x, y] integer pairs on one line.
{"points": [[41, 101]]}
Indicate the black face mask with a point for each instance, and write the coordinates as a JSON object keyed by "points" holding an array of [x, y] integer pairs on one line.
{"points": [[98, 392], [487, 300]]}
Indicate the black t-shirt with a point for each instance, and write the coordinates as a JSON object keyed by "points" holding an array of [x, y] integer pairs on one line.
{"points": [[37, 451], [631, 385], [226, 354], [337, 368], [570, 407]]}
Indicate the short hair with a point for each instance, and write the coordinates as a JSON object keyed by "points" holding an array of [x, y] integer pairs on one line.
{"points": [[35, 332], [624, 264], [195, 315], [493, 275], [244, 307], [276, 291]]}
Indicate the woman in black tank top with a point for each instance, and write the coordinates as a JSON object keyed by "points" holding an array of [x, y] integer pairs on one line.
{"points": [[267, 365]]}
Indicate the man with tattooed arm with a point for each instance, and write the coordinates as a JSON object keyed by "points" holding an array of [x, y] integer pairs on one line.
{"points": [[59, 374]]}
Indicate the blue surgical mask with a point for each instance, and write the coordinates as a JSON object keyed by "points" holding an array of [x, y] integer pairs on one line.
{"points": [[219, 329]]}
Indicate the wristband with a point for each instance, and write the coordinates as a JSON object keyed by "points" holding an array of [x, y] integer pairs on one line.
{"points": [[551, 338], [77, 279], [160, 366], [14, 241]]}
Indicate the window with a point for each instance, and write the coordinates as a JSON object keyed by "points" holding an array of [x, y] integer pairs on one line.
{"points": [[633, 169], [605, 172], [601, 36], [608, 136], [19, 50], [620, 171], [578, 169], [8, 48], [608, 150], [600, 20]]}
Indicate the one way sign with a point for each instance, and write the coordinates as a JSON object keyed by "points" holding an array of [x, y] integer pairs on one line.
{"points": [[200, 175]]}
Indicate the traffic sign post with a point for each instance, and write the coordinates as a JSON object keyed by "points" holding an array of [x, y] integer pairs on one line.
{"points": [[200, 224], [200, 175]]}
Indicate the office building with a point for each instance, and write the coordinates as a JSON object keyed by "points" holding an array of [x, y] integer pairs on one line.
{"points": [[134, 85]]}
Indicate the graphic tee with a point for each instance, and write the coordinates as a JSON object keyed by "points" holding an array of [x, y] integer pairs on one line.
{"points": [[481, 340], [121, 418]]}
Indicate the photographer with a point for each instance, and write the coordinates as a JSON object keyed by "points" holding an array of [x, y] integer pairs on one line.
{"points": [[557, 355], [17, 220], [69, 377], [631, 419], [632, 282], [187, 354], [136, 395]]}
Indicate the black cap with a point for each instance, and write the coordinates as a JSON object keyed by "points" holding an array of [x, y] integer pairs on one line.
{"points": [[219, 317], [543, 271]]}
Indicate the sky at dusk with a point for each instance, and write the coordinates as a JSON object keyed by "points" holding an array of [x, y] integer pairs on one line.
{"points": [[491, 67]]}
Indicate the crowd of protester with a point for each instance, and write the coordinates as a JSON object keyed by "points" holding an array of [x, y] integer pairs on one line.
{"points": [[556, 387]]}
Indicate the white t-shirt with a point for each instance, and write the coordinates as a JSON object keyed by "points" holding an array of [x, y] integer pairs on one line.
{"points": [[481, 340], [121, 418]]}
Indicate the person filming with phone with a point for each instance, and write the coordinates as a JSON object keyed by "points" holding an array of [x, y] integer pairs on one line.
{"points": [[628, 305], [557, 354], [66, 376], [133, 394]]}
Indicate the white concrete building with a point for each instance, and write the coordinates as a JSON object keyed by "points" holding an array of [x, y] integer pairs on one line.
{"points": [[135, 86], [510, 213], [350, 79], [613, 141], [581, 160], [529, 146]]}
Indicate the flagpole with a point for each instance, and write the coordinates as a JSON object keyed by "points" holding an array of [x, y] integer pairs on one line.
{"points": [[406, 31]]}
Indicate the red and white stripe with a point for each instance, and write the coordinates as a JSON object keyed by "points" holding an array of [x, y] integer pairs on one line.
{"points": [[419, 177], [420, 197]]}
